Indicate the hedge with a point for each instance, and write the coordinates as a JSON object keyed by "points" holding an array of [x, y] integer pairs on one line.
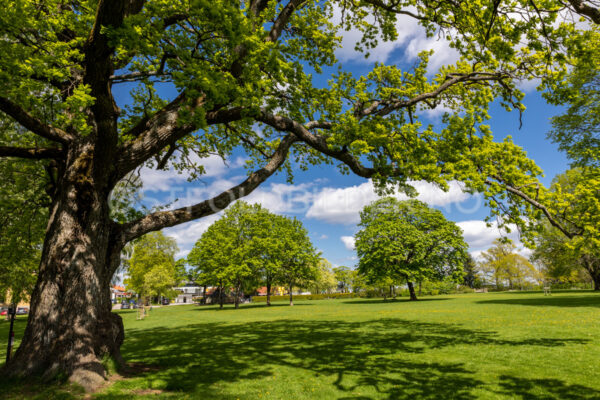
{"points": [[263, 299]]}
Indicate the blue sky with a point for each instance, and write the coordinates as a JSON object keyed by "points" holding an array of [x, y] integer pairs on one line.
{"points": [[328, 202]]}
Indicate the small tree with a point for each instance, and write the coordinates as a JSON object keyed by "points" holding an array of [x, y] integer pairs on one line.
{"points": [[410, 241], [151, 268], [470, 268], [210, 256], [299, 259], [325, 281], [506, 266], [343, 275]]}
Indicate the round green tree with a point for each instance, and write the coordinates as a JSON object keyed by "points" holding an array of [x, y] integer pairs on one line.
{"points": [[408, 241]]}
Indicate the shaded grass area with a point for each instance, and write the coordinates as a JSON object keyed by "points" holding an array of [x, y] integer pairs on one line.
{"points": [[491, 346]]}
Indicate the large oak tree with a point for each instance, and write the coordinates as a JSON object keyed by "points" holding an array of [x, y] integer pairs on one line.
{"points": [[235, 67]]}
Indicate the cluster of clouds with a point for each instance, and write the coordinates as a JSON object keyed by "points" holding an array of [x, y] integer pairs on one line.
{"points": [[316, 201], [412, 39]]}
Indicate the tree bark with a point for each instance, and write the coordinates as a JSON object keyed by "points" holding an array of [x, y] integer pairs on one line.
{"points": [[268, 291], [594, 273], [237, 294], [221, 295], [70, 326], [291, 296], [411, 290]]}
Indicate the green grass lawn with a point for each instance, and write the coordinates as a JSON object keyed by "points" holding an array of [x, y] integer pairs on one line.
{"points": [[476, 346]]}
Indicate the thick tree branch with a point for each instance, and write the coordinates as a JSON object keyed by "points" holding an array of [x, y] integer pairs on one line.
{"points": [[98, 68], [31, 123], [318, 143], [581, 8], [283, 18], [553, 221], [164, 219], [32, 152], [164, 128]]}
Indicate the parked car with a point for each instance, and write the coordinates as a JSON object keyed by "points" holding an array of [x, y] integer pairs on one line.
{"points": [[4, 311], [22, 310], [166, 302], [125, 305]]}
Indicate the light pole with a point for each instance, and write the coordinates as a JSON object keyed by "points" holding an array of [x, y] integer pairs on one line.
{"points": [[11, 334]]}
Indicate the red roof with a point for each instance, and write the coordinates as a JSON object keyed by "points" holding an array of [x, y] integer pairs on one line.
{"points": [[262, 291], [119, 288]]}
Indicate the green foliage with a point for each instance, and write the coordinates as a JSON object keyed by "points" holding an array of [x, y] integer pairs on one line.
{"points": [[577, 131], [23, 218], [344, 277], [227, 55], [236, 247], [506, 267], [325, 281], [249, 244], [408, 241], [151, 269], [576, 196]]}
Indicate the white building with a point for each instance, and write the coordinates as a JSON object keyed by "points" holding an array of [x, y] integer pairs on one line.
{"points": [[187, 292]]}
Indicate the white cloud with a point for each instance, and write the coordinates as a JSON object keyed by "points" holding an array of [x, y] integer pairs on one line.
{"points": [[187, 234], [282, 198], [412, 38], [480, 237], [323, 236], [342, 205], [182, 254], [170, 179], [349, 242]]}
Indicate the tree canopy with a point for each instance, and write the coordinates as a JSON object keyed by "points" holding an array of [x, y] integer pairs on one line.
{"points": [[508, 268], [408, 241]]}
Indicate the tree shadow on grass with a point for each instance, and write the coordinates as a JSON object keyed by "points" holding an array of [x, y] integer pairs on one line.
{"points": [[368, 356], [555, 301], [547, 389]]}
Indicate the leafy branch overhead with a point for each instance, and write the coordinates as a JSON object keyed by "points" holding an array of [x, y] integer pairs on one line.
{"points": [[235, 67]]}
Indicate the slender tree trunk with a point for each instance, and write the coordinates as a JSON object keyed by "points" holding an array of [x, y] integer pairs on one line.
{"points": [[391, 291], [221, 288], [291, 296], [237, 294], [268, 290], [70, 326], [204, 295], [411, 290]]}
